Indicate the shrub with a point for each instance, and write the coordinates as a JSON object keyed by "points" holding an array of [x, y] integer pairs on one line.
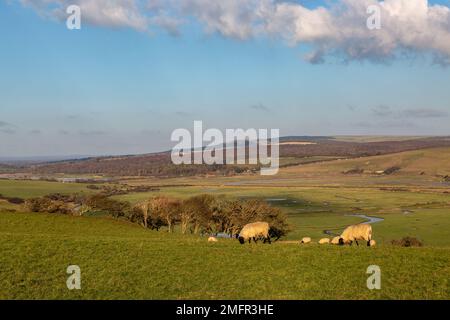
{"points": [[407, 242], [93, 187], [100, 202], [46, 204], [15, 200], [391, 170], [354, 171]]}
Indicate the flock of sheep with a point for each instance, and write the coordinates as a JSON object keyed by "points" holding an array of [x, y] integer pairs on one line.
{"points": [[361, 232], [354, 233]]}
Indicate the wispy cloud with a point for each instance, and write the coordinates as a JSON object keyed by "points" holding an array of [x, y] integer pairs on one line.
{"points": [[7, 131], [385, 124], [424, 113], [73, 117], [419, 113], [339, 29], [260, 107], [382, 111], [351, 107], [5, 124], [183, 113], [7, 128], [63, 132], [92, 133]]}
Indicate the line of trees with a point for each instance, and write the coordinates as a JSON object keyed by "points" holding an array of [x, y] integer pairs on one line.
{"points": [[200, 214], [208, 214]]}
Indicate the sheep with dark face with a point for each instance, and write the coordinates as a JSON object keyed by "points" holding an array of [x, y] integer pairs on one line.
{"points": [[335, 240], [356, 232], [254, 231]]}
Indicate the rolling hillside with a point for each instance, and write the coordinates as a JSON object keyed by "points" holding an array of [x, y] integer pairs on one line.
{"points": [[293, 150], [430, 162]]}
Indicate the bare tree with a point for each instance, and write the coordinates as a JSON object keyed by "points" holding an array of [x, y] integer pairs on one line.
{"points": [[167, 209]]}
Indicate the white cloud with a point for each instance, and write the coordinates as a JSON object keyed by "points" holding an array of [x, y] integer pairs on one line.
{"points": [[232, 18], [108, 13], [407, 26]]}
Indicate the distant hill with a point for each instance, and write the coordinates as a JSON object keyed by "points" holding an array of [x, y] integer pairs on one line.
{"points": [[18, 161], [429, 162], [159, 164]]}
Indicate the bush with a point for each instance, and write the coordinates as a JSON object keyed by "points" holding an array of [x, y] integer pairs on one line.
{"points": [[46, 204], [407, 242], [391, 170], [258, 210], [354, 171], [101, 203], [13, 200], [76, 204]]}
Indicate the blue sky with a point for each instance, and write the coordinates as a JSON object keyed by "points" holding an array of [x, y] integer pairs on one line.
{"points": [[118, 90]]}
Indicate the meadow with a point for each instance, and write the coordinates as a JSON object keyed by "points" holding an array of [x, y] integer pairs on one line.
{"points": [[28, 189], [311, 210], [119, 260], [123, 260]]}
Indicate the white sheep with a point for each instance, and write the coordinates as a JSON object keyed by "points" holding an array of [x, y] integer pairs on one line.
{"points": [[254, 231], [335, 240], [324, 241], [212, 239], [373, 243], [306, 240], [356, 232]]}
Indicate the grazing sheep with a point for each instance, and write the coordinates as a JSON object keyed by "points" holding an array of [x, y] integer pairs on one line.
{"points": [[356, 232], [254, 231], [324, 241], [306, 240], [335, 240], [372, 243], [212, 239]]}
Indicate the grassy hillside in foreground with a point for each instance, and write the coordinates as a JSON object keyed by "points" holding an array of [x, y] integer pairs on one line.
{"points": [[119, 260]]}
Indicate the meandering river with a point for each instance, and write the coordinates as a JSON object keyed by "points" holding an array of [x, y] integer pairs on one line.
{"points": [[369, 220]]}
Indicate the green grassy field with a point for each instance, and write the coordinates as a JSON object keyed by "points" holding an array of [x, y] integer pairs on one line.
{"points": [[120, 260], [29, 189], [311, 210]]}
